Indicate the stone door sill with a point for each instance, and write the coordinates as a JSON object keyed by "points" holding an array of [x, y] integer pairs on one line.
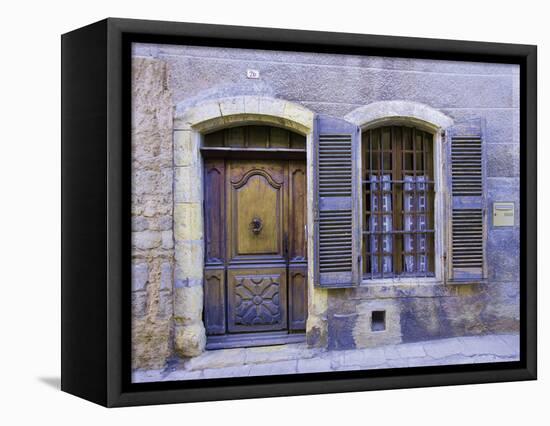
{"points": [[246, 340]]}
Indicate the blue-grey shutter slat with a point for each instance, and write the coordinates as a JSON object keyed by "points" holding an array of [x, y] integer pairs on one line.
{"points": [[468, 215], [335, 213]]}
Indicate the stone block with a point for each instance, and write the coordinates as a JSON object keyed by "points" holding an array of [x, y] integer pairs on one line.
{"points": [[190, 340], [140, 276], [144, 181], [231, 106], [188, 221], [146, 240], [272, 107], [166, 276], [187, 184], [251, 105], [151, 97], [152, 206], [189, 257], [139, 304], [151, 148], [167, 240], [165, 222], [185, 118], [298, 113], [186, 149], [139, 223], [188, 304]]}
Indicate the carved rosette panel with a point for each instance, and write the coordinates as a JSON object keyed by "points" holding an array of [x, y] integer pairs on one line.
{"points": [[257, 300]]}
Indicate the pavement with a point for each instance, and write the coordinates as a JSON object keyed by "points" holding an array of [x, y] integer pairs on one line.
{"points": [[298, 358]]}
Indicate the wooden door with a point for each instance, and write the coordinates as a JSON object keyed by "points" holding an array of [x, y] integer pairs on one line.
{"points": [[255, 269], [257, 225]]}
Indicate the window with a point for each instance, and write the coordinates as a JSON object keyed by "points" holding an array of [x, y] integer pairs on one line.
{"points": [[398, 202], [391, 233]]}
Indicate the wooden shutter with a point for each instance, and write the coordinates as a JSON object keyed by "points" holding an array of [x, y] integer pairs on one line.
{"points": [[468, 212], [336, 215]]}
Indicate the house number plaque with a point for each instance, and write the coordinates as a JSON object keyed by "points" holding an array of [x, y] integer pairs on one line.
{"points": [[253, 74], [503, 214]]}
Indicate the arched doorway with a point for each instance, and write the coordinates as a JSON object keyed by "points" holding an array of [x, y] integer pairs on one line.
{"points": [[191, 124], [255, 285]]}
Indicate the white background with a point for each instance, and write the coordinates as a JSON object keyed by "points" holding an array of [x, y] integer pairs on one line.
{"points": [[30, 212]]}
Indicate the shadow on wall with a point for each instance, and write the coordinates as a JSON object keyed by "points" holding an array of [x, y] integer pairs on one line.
{"points": [[54, 382]]}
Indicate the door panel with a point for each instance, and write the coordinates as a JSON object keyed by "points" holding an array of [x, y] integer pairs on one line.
{"points": [[297, 217], [297, 304], [257, 299], [214, 301], [257, 211], [214, 214], [257, 200]]}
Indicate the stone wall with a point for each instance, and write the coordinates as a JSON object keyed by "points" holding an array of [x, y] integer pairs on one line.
{"points": [[338, 85], [152, 211]]}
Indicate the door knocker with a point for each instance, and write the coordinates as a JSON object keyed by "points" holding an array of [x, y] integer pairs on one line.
{"points": [[256, 225]]}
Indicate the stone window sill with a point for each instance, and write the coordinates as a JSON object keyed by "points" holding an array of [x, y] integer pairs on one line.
{"points": [[406, 281]]}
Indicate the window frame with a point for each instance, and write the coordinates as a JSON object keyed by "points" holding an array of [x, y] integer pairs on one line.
{"points": [[441, 225]]}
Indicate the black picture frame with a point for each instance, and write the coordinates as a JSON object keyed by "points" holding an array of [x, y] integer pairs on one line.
{"points": [[96, 212]]}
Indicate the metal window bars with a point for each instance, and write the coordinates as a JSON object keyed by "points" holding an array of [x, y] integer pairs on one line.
{"points": [[398, 203]]}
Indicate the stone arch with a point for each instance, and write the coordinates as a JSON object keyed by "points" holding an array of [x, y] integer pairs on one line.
{"points": [[226, 112], [387, 112], [190, 124]]}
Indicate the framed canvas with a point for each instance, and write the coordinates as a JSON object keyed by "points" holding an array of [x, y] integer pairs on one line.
{"points": [[254, 212]]}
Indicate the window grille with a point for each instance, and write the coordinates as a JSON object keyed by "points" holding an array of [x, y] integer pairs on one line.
{"points": [[398, 201]]}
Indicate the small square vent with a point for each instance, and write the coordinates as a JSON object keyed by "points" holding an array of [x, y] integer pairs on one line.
{"points": [[378, 321]]}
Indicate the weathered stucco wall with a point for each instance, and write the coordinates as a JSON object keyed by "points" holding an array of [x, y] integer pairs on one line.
{"points": [[152, 208], [335, 85]]}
